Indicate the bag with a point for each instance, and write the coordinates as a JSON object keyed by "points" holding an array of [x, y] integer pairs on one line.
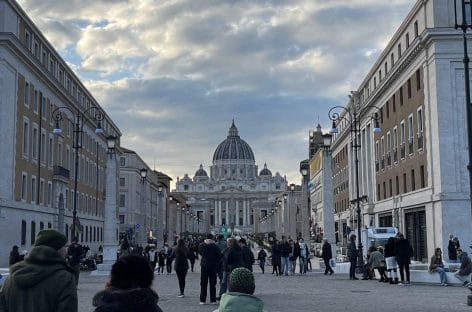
{"points": [[332, 263]]}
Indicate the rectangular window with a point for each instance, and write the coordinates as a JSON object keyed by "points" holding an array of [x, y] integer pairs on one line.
{"points": [[43, 107], [404, 183], [41, 191], [392, 60], [407, 40], [42, 152], [399, 48], [34, 139], [27, 93], [378, 191], [387, 109], [416, 28], [25, 137], [33, 189], [23, 232], [24, 186], [418, 80], [380, 75], [33, 232], [408, 88], [390, 187], [422, 177], [122, 181], [27, 40], [394, 104], [385, 68], [413, 185], [384, 190], [375, 82], [35, 102], [397, 186], [402, 133], [50, 151], [122, 161], [401, 96], [411, 133], [49, 195], [122, 219], [122, 200]]}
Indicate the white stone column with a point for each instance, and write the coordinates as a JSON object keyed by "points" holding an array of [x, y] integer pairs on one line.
{"points": [[244, 213], [219, 212], [328, 207], [237, 213], [110, 242], [227, 213]]}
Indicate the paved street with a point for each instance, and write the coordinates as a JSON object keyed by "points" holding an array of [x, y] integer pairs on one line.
{"points": [[313, 292]]}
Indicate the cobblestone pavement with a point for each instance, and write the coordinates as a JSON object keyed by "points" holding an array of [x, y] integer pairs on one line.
{"points": [[311, 292]]}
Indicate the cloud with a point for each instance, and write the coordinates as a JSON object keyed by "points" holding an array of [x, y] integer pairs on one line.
{"points": [[173, 74]]}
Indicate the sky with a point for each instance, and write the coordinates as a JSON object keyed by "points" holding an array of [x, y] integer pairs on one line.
{"points": [[174, 74]]}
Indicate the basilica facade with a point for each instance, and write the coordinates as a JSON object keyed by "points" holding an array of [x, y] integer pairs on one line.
{"points": [[236, 194]]}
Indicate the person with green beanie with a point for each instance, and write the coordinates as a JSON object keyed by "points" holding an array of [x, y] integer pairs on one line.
{"points": [[240, 297], [42, 282]]}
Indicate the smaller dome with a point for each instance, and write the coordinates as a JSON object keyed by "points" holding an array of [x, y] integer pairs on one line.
{"points": [[265, 171], [201, 172]]}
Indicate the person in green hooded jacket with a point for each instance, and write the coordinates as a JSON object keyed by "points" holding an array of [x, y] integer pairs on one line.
{"points": [[241, 286], [42, 282]]}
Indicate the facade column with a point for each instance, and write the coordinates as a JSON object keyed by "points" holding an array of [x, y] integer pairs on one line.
{"points": [[227, 213], [244, 213], [110, 243], [237, 213], [219, 212]]}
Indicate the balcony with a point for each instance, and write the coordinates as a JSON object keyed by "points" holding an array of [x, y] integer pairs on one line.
{"points": [[420, 141], [410, 146], [61, 173]]}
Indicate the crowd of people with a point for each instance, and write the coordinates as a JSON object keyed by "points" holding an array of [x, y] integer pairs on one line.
{"points": [[284, 256]]}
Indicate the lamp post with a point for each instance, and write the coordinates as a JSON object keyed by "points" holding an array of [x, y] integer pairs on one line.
{"points": [[80, 118], [466, 23], [143, 174], [354, 114], [304, 166], [160, 223], [290, 207]]}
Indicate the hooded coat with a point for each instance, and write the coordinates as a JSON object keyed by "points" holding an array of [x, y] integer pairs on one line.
{"points": [[236, 302], [466, 264], [124, 300], [211, 254], [41, 283]]}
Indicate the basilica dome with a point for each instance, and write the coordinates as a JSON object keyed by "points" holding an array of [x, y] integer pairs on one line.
{"points": [[201, 172], [233, 148]]}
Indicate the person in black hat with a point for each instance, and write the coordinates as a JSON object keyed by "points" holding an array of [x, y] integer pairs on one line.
{"points": [[209, 267], [14, 256], [42, 282]]}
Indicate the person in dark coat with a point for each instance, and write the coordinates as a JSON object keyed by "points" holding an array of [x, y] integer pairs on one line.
{"points": [[261, 256], [232, 259], [42, 282], [391, 260], [451, 249], [248, 256], [285, 249], [14, 256], [404, 252], [465, 269], [169, 259], [75, 253], [209, 264], [161, 261], [327, 255], [129, 288], [275, 258], [181, 257], [352, 253]]}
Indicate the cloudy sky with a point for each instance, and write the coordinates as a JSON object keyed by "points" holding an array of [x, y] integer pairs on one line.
{"points": [[173, 74]]}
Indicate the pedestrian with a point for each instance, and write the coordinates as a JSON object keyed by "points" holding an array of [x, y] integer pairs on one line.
{"points": [[169, 259], [294, 254], [436, 265], [209, 264], [43, 282], [303, 255], [377, 262], [404, 252], [232, 259], [275, 258], [284, 250], [14, 256], [182, 255], [125, 248], [240, 296], [222, 245], [391, 260], [129, 288], [191, 257], [248, 256], [451, 249], [368, 273], [465, 269], [261, 256], [75, 253], [352, 253], [327, 255], [161, 260]]}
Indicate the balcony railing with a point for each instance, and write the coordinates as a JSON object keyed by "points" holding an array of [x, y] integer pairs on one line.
{"points": [[402, 151], [420, 141], [62, 172]]}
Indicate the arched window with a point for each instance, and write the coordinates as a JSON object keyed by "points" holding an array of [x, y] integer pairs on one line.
{"points": [[33, 232], [23, 232]]}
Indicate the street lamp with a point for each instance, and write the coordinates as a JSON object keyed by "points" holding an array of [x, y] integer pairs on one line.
{"points": [[143, 174], [355, 130], [465, 22], [80, 118]]}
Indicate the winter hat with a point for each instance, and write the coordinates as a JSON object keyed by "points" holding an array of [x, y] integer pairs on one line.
{"points": [[51, 238], [242, 280]]}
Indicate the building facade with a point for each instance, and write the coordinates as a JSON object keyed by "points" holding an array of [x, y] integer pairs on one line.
{"points": [[413, 173], [235, 195], [38, 94]]}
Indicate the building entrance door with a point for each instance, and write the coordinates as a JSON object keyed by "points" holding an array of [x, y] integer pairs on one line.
{"points": [[415, 228]]}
